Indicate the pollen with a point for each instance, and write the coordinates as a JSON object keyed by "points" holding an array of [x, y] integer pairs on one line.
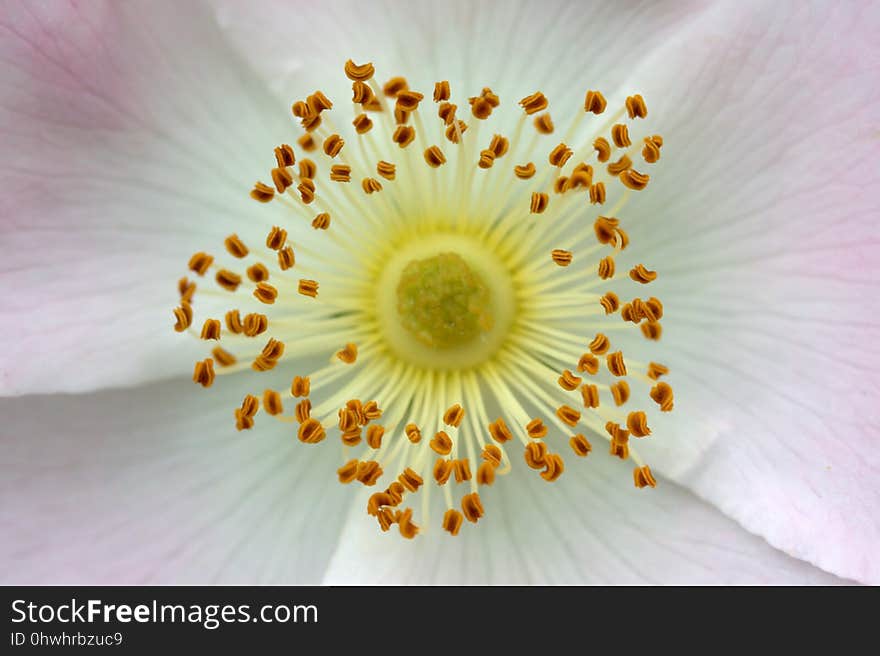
{"points": [[451, 287]]}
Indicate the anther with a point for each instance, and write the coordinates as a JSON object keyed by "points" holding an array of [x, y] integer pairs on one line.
{"points": [[637, 423], [446, 111], [452, 521], [561, 257], [228, 280], [590, 395], [410, 480], [655, 370], [661, 393], [183, 317], [651, 149], [534, 454], [441, 91], [307, 169], [581, 176], [434, 157], [605, 229], [524, 171], [404, 135], [286, 258], [223, 357], [491, 454], [621, 165], [610, 302], [187, 289], [318, 102], [599, 345], [285, 156], [369, 472], [308, 287], [348, 420], [642, 275], [462, 470], [394, 86], [321, 221], [303, 410], [269, 357], [362, 124], [588, 363], [472, 507], [568, 415], [200, 263], [233, 322], [262, 192], [408, 100], [534, 103], [307, 142], [340, 173], [487, 159], [333, 145], [386, 169], [359, 72], [372, 410], [349, 354], [306, 189], [413, 433], [257, 272], [272, 403], [580, 445], [634, 180], [454, 131], [485, 474], [235, 246], [203, 372], [405, 525], [311, 431], [311, 123], [594, 102], [265, 293], [620, 392], [652, 330], [560, 155], [536, 429], [371, 185], [642, 477], [553, 467], [499, 431], [361, 93], [606, 267], [453, 416], [374, 436], [635, 107], [597, 193], [211, 329], [603, 149], [348, 472], [560, 185], [568, 381], [499, 145], [377, 500], [441, 443], [276, 238], [255, 324], [544, 124], [620, 135], [616, 363], [282, 179], [300, 386], [442, 471], [539, 202]]}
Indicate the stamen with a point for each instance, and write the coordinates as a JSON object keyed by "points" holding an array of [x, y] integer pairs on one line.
{"points": [[472, 507], [441, 443], [235, 247], [525, 171], [349, 354], [308, 288], [203, 373], [643, 477], [452, 521], [211, 329], [580, 445], [561, 257]]}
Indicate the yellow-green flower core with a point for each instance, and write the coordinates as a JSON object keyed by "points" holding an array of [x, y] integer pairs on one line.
{"points": [[442, 301]]}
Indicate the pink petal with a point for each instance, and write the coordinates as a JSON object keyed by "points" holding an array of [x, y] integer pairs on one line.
{"points": [[128, 129], [589, 527], [156, 486], [762, 219]]}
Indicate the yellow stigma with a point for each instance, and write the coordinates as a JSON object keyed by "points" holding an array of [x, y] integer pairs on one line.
{"points": [[442, 302]]}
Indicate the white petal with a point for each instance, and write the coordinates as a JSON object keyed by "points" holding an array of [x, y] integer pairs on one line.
{"points": [[128, 130], [762, 220], [154, 485], [590, 527]]}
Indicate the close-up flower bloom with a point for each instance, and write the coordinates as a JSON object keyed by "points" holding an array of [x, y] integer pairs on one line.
{"points": [[386, 292]]}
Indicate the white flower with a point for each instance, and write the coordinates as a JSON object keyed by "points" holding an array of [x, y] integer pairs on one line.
{"points": [[134, 132]]}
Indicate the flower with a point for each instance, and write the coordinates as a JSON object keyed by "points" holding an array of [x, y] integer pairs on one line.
{"points": [[147, 485]]}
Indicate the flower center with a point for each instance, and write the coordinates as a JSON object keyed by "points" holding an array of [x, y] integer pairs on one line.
{"points": [[445, 304], [455, 271]]}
